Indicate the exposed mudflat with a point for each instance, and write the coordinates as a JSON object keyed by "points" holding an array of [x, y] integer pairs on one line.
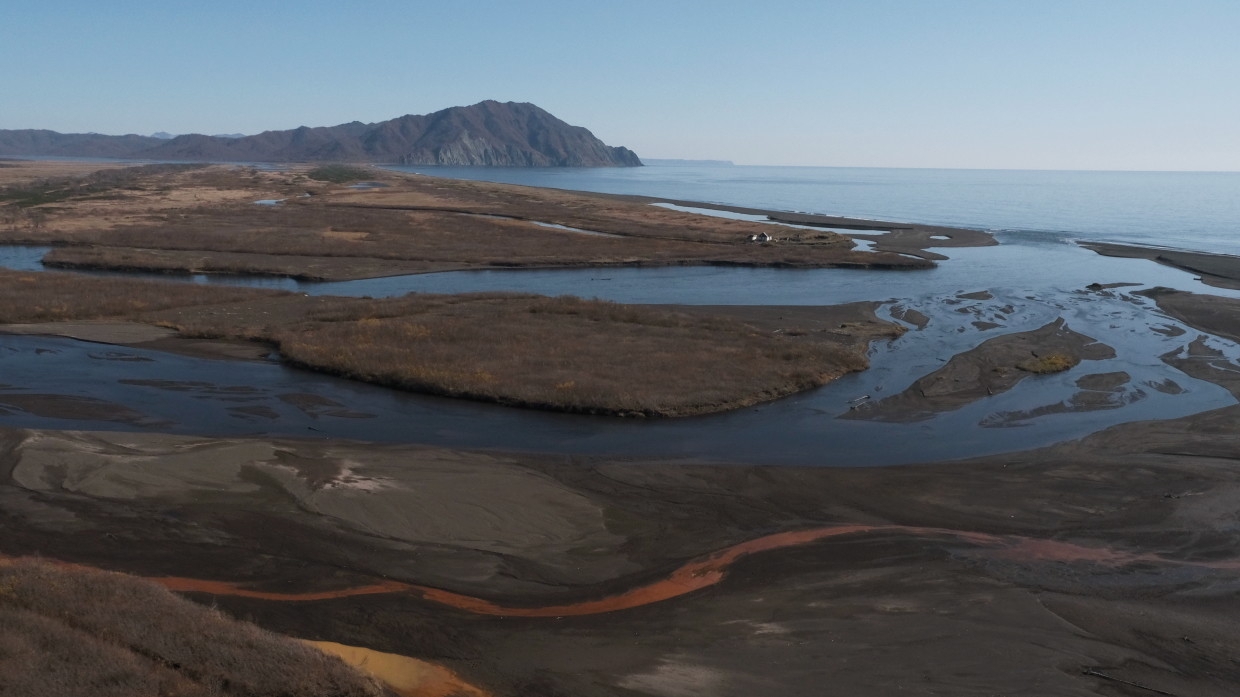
{"points": [[993, 367], [1220, 270], [142, 335], [1033, 571]]}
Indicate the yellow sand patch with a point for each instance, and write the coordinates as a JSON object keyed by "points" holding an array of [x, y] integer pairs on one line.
{"points": [[408, 676], [388, 197], [345, 235]]}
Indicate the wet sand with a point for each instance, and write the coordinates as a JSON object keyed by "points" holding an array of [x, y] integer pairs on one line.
{"points": [[138, 335], [1208, 313], [993, 367], [1219, 270]]}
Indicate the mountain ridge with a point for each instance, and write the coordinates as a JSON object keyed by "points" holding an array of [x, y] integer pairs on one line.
{"points": [[489, 133]]}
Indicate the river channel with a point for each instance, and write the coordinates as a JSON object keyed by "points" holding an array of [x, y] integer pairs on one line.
{"points": [[61, 383]]}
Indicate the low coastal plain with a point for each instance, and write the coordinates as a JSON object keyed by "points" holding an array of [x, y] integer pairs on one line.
{"points": [[1104, 565]]}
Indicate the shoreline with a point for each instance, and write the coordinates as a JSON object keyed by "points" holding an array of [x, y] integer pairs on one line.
{"points": [[1219, 270], [906, 238]]}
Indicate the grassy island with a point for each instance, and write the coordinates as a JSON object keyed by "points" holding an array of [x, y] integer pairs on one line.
{"points": [[323, 224]]}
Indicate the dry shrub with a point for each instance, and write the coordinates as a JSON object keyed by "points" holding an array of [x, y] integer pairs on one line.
{"points": [[84, 632], [1050, 363], [57, 189], [44, 657], [340, 174]]}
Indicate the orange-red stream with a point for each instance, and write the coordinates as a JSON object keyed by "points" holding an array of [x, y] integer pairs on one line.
{"points": [[704, 572], [415, 678]]}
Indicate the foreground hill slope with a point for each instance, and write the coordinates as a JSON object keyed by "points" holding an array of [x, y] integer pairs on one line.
{"points": [[489, 133], [77, 631]]}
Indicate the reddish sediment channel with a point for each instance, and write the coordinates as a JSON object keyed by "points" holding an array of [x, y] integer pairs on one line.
{"points": [[415, 678], [705, 571], [709, 570]]}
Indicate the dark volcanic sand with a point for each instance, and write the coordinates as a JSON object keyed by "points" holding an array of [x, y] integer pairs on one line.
{"points": [[1219, 270], [1012, 574]]}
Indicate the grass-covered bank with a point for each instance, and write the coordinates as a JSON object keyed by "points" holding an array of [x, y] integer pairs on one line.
{"points": [[563, 354], [180, 218]]}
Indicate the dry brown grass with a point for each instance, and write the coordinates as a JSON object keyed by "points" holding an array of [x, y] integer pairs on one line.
{"points": [[21, 171], [553, 353], [180, 262], [58, 208], [74, 631], [48, 297], [1049, 363], [564, 354], [209, 215], [306, 229]]}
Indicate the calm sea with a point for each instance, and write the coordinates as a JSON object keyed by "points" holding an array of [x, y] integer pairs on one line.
{"points": [[1190, 210]]}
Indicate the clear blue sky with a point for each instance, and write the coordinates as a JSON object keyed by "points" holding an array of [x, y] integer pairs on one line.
{"points": [[1048, 84]]}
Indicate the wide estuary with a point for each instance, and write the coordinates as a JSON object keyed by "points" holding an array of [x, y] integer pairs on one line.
{"points": [[1036, 275]]}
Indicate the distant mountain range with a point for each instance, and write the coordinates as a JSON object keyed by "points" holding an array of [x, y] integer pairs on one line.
{"points": [[489, 133]]}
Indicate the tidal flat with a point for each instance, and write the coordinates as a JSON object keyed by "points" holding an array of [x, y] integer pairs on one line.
{"points": [[1085, 551]]}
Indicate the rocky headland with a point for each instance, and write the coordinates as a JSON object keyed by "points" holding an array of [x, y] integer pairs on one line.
{"points": [[488, 133]]}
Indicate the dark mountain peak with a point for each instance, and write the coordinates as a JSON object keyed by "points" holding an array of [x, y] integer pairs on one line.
{"points": [[510, 134], [492, 133]]}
